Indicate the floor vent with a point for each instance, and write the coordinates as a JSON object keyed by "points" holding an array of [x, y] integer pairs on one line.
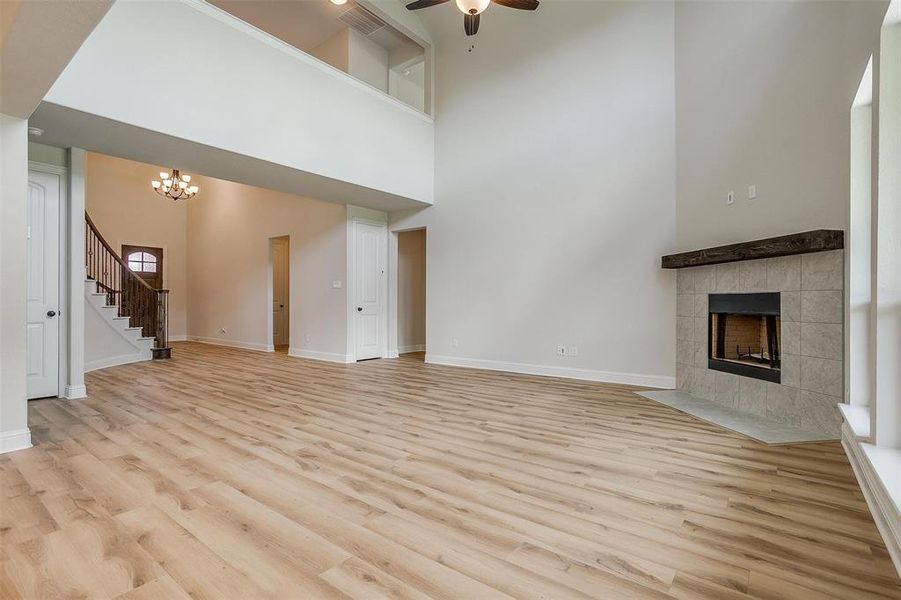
{"points": [[362, 20]]}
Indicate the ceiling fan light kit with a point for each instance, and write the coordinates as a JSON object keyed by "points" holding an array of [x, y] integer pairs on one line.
{"points": [[473, 9]]}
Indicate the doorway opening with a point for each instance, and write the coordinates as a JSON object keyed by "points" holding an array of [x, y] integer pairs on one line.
{"points": [[280, 287], [411, 294]]}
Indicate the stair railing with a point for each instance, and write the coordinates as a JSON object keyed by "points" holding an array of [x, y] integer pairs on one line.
{"points": [[146, 307]]}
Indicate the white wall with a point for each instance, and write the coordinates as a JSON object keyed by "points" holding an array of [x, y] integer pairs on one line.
{"points": [[367, 61], [555, 195], [408, 89], [411, 286], [229, 227], [334, 50], [13, 184], [762, 97], [126, 210], [248, 93]]}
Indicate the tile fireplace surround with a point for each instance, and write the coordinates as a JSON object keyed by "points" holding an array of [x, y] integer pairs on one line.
{"points": [[811, 288]]}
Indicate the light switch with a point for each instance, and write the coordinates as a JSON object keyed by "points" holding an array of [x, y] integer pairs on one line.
{"points": [[336, 284], [730, 198], [752, 192]]}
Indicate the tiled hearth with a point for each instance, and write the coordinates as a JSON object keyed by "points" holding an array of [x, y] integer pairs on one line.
{"points": [[811, 338]]}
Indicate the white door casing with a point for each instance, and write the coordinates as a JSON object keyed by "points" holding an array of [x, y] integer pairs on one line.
{"points": [[42, 284], [370, 252], [280, 283]]}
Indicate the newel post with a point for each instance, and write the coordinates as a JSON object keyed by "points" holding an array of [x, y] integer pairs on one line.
{"points": [[161, 347]]}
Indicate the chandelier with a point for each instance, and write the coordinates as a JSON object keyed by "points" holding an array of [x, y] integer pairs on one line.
{"points": [[174, 185]]}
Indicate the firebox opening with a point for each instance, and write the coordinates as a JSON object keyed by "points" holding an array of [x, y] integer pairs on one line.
{"points": [[744, 332]]}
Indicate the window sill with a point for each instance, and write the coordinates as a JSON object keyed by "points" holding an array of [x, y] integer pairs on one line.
{"points": [[858, 419], [886, 462]]}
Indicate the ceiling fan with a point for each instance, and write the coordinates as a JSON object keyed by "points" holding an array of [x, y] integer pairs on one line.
{"points": [[472, 9]]}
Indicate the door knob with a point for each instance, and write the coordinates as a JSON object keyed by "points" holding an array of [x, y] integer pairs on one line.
{"points": [[359, 309], [51, 313]]}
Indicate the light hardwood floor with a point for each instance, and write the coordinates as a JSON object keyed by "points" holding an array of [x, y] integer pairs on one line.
{"points": [[233, 474]]}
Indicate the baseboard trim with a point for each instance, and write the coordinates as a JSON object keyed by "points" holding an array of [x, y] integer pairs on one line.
{"points": [[332, 357], [178, 338], [883, 509], [392, 354], [17, 439], [75, 392], [409, 349], [654, 381], [115, 361], [232, 343]]}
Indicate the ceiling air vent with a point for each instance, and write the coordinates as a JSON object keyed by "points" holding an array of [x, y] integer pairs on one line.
{"points": [[362, 20]]}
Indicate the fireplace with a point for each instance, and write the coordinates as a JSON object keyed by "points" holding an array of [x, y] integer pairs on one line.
{"points": [[744, 335]]}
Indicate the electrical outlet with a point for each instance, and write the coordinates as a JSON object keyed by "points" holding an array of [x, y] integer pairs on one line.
{"points": [[307, 338], [572, 351], [752, 191], [455, 343], [561, 350], [730, 198], [336, 284], [223, 330]]}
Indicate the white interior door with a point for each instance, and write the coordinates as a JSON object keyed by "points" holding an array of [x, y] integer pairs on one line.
{"points": [[370, 247], [280, 285], [42, 285]]}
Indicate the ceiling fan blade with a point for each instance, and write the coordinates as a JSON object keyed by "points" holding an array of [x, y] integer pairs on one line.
{"points": [[520, 4], [424, 4], [471, 24]]}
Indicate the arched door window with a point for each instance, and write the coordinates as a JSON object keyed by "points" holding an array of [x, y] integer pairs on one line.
{"points": [[142, 262]]}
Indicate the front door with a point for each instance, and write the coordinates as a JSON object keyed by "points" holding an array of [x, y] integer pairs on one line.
{"points": [[369, 294], [146, 262], [42, 285]]}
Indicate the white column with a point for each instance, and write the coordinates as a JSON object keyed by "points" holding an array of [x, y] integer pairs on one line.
{"points": [[14, 433], [888, 267], [75, 387]]}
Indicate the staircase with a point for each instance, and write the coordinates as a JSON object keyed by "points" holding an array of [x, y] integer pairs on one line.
{"points": [[126, 320], [110, 340]]}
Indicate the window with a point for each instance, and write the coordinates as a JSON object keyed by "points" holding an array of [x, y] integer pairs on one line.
{"points": [[142, 262]]}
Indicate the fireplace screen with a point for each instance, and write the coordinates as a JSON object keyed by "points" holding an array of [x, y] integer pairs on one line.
{"points": [[744, 334]]}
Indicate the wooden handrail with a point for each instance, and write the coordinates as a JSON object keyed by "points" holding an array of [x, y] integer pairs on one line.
{"points": [[146, 307], [109, 249]]}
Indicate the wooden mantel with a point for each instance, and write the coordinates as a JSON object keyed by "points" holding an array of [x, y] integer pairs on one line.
{"points": [[819, 240]]}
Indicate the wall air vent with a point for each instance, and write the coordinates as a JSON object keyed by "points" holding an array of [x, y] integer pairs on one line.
{"points": [[362, 20]]}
